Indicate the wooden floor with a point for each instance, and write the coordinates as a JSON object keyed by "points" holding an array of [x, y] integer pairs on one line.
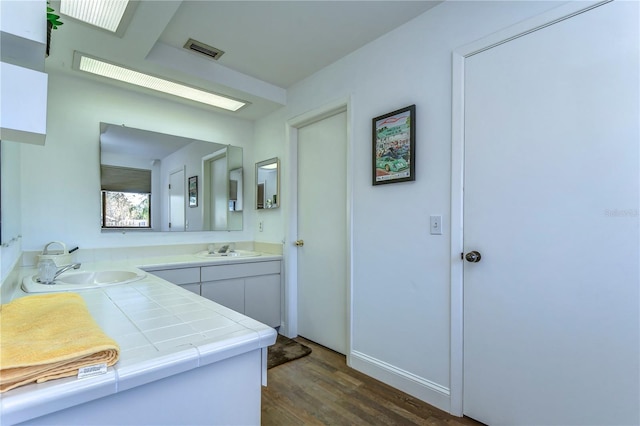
{"points": [[320, 389]]}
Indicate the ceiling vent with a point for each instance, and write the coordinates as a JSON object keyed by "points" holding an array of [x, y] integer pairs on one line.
{"points": [[203, 49]]}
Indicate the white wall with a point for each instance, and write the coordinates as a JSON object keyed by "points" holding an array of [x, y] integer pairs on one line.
{"points": [[401, 294], [60, 182], [270, 143], [11, 243]]}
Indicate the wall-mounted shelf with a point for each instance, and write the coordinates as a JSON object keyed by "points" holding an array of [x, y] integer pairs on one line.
{"points": [[23, 104], [23, 38], [23, 33]]}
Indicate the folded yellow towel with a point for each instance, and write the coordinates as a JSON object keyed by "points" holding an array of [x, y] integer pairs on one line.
{"points": [[49, 336]]}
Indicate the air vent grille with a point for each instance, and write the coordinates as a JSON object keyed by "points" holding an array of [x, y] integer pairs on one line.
{"points": [[203, 49]]}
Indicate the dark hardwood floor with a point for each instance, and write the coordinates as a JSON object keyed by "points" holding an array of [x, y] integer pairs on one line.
{"points": [[320, 389]]}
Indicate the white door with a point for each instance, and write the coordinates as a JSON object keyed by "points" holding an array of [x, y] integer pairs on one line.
{"points": [[176, 200], [551, 310], [322, 225]]}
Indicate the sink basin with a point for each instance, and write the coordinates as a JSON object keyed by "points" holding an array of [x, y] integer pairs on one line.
{"points": [[98, 277], [235, 253], [83, 280]]}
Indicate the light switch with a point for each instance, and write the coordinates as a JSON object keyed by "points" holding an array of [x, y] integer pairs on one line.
{"points": [[261, 226], [435, 225]]}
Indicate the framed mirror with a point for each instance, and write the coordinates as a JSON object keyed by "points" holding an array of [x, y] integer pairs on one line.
{"points": [[157, 182], [268, 184]]}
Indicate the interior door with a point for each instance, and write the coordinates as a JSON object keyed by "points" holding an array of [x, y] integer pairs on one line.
{"points": [[551, 205], [322, 225], [176, 200]]}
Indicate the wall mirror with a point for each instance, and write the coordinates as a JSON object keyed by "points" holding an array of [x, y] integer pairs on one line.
{"points": [[157, 182], [268, 184]]}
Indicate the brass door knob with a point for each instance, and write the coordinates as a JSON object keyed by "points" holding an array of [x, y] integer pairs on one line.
{"points": [[299, 243], [473, 256]]}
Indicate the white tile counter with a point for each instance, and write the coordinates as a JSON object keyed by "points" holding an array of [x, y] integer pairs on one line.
{"points": [[184, 359]]}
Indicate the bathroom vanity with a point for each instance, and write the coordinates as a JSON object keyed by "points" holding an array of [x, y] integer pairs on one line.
{"points": [[250, 287], [205, 361]]}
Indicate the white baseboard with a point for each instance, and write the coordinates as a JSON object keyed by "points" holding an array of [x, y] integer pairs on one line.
{"points": [[421, 388]]}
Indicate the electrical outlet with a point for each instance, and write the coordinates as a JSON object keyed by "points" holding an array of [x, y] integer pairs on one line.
{"points": [[261, 226], [435, 225]]}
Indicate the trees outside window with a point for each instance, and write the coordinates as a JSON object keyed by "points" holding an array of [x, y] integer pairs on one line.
{"points": [[126, 210]]}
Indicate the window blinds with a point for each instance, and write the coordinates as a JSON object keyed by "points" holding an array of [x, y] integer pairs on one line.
{"points": [[125, 179]]}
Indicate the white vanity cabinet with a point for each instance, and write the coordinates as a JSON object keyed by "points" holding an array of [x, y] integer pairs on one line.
{"points": [[187, 278], [252, 289]]}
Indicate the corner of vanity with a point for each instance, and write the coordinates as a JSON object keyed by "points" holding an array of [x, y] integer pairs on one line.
{"points": [[185, 359]]}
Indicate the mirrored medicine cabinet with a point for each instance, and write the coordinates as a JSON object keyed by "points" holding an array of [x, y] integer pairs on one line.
{"points": [[152, 182], [268, 184]]}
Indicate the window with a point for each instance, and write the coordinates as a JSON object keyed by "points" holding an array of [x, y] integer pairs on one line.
{"points": [[126, 197], [125, 210]]}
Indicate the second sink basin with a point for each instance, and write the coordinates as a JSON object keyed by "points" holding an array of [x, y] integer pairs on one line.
{"points": [[236, 253]]}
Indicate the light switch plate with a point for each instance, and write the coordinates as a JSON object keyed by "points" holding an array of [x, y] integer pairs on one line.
{"points": [[435, 225]]}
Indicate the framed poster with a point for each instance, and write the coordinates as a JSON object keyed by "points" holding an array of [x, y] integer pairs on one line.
{"points": [[193, 191], [394, 141]]}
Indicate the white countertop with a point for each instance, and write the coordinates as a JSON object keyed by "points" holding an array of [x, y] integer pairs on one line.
{"points": [[189, 260], [161, 328]]}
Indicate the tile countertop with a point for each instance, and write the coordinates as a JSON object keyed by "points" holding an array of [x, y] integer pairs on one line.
{"points": [[161, 328], [177, 261]]}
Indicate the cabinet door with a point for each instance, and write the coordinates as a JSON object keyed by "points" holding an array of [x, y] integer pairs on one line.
{"points": [[262, 299], [179, 275], [229, 293], [194, 287]]}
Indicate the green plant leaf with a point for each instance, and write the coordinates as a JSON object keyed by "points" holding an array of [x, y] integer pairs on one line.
{"points": [[53, 18]]}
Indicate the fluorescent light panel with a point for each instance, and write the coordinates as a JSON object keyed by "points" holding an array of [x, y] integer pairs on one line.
{"points": [[105, 14], [126, 75]]}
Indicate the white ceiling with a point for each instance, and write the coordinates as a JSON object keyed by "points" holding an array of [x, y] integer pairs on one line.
{"points": [[269, 45], [143, 144]]}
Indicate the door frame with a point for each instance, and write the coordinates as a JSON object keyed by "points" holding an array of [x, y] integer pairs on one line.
{"points": [[290, 315], [459, 55], [205, 202]]}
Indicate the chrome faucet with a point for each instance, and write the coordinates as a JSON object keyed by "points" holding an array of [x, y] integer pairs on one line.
{"points": [[223, 249], [65, 269]]}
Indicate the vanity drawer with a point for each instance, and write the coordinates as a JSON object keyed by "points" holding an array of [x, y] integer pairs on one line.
{"points": [[179, 276], [224, 272]]}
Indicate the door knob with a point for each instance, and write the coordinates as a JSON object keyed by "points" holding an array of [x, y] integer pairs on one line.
{"points": [[473, 256], [299, 243]]}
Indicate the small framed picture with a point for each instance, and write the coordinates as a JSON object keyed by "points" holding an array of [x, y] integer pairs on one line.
{"points": [[394, 140], [193, 191]]}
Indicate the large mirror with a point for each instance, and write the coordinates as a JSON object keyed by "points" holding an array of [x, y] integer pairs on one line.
{"points": [[157, 182], [268, 184]]}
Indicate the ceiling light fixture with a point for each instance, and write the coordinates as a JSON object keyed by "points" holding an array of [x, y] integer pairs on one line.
{"points": [[105, 14], [98, 67]]}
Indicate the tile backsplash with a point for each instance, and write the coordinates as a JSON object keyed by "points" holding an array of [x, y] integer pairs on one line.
{"points": [[127, 253]]}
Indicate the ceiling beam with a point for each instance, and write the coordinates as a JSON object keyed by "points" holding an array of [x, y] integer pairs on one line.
{"points": [[189, 63]]}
